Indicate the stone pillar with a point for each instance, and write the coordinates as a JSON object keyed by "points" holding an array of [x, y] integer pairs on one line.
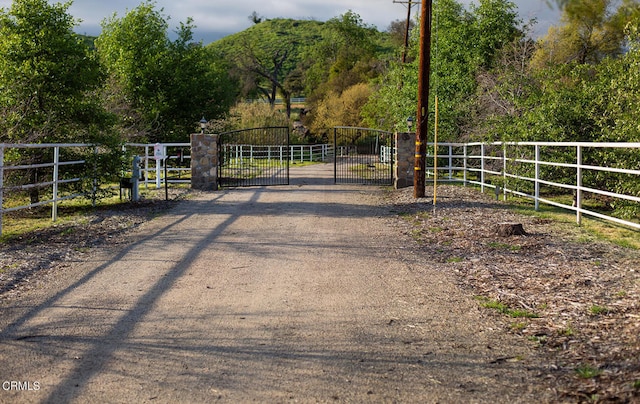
{"points": [[405, 160], [204, 162]]}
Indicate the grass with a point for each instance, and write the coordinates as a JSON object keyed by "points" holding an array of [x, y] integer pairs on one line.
{"points": [[371, 171], [542, 339], [566, 332], [587, 371], [592, 229], [597, 310], [504, 309], [621, 295], [15, 224], [518, 326]]}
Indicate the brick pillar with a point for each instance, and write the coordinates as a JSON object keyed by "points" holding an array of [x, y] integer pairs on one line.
{"points": [[405, 160], [204, 162]]}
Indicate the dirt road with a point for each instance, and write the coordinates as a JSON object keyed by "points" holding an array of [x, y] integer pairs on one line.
{"points": [[305, 293]]}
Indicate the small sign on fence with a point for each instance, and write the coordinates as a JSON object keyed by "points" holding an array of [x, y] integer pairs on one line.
{"points": [[158, 152]]}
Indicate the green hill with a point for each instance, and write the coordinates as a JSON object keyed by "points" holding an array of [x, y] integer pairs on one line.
{"points": [[295, 35]]}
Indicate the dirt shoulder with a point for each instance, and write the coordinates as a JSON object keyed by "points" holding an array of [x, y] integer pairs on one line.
{"points": [[319, 293], [574, 299]]}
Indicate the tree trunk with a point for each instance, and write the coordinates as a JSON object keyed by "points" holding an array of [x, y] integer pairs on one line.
{"points": [[510, 229]]}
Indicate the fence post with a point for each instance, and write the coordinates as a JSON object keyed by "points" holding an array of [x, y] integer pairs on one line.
{"points": [[465, 166], [158, 174], [1, 184], [537, 181], [450, 162], [146, 166], [504, 171], [56, 172], [579, 186], [94, 189], [482, 168], [335, 155]]}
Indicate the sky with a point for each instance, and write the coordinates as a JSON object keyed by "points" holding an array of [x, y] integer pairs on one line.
{"points": [[217, 18]]}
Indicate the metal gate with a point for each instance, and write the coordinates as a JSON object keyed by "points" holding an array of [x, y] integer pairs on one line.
{"points": [[254, 157], [363, 156]]}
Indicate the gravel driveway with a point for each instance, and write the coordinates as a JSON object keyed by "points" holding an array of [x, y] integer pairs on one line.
{"points": [[304, 293]]}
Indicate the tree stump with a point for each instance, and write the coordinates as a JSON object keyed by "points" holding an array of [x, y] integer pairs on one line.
{"points": [[510, 229]]}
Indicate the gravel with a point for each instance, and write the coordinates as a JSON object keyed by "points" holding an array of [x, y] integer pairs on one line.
{"points": [[573, 304]]}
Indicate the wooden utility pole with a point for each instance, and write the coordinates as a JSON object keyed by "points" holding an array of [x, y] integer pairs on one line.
{"points": [[409, 4], [406, 33], [422, 128]]}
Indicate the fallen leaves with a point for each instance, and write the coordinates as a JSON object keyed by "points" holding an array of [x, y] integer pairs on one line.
{"points": [[586, 295]]}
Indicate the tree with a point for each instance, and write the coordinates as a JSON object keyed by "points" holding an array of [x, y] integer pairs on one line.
{"points": [[502, 89], [590, 31], [255, 18], [346, 56], [268, 64], [343, 57], [495, 24], [159, 87], [467, 43], [342, 109], [398, 30], [47, 76], [48, 82]]}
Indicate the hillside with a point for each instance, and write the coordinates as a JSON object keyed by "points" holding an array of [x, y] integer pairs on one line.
{"points": [[295, 33]]}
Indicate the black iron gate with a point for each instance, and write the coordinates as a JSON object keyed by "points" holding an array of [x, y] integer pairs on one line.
{"points": [[363, 156], [254, 157]]}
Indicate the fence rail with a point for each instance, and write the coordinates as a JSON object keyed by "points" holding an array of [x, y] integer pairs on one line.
{"points": [[44, 175], [541, 170], [162, 163], [297, 153]]}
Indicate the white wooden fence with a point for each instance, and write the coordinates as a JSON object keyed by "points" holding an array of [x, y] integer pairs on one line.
{"points": [[56, 164], [296, 153], [175, 157], [160, 164], [528, 169]]}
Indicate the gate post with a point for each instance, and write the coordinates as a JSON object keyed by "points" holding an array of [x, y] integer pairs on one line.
{"points": [[204, 162], [404, 160]]}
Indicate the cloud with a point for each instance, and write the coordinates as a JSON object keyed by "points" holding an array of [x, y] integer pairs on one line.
{"points": [[216, 18]]}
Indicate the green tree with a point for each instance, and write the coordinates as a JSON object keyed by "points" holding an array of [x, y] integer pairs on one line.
{"points": [[344, 57], [590, 31], [465, 43], [267, 58], [47, 77], [348, 55], [268, 64], [158, 87], [48, 89]]}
